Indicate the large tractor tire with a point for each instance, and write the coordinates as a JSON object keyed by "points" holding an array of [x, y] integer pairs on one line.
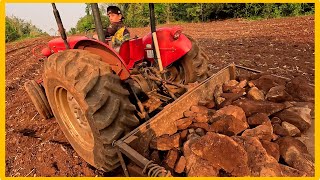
{"points": [[191, 67], [90, 105], [38, 98], [194, 63]]}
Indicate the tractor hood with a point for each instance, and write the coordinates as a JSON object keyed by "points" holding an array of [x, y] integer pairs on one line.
{"points": [[57, 44]]}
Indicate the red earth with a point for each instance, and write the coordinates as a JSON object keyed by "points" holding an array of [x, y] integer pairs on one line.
{"points": [[37, 147]]}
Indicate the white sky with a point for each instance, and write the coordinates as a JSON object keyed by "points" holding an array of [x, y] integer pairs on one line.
{"points": [[41, 15]]}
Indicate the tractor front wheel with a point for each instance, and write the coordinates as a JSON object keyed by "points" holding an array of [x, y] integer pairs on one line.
{"points": [[90, 105], [38, 98]]}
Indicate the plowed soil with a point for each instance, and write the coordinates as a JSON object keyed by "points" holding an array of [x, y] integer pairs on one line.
{"points": [[37, 147]]}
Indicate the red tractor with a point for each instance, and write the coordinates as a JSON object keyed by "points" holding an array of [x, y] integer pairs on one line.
{"points": [[98, 95]]}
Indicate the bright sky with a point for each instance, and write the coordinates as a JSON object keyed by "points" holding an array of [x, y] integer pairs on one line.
{"points": [[41, 15]]}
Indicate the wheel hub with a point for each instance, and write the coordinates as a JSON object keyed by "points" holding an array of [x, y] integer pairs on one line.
{"points": [[73, 118]]}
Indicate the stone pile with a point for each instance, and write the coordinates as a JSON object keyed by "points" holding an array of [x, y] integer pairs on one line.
{"points": [[248, 127]]}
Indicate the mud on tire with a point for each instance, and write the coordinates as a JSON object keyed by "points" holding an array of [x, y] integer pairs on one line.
{"points": [[90, 105], [38, 98]]}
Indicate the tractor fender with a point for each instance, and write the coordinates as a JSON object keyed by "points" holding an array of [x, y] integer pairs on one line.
{"points": [[107, 54], [171, 48]]}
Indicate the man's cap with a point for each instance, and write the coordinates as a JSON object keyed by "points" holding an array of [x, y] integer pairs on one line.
{"points": [[114, 10]]}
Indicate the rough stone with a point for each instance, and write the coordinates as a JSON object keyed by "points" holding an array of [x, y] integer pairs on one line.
{"points": [[263, 132], [309, 105], [200, 131], [238, 90], [189, 114], [192, 136], [183, 123], [202, 125], [278, 94], [207, 103], [271, 148], [180, 165], [229, 85], [279, 130], [242, 83], [200, 167], [300, 90], [251, 107], [296, 155], [230, 97], [275, 120], [291, 129], [183, 134], [217, 95], [288, 171], [298, 116], [259, 161], [251, 84], [196, 166], [199, 109], [228, 125], [255, 94], [165, 142], [222, 152], [222, 123], [258, 119], [171, 158], [201, 118], [266, 82]]}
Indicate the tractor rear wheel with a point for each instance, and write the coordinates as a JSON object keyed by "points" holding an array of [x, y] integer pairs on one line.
{"points": [[38, 98], [90, 105], [194, 63], [191, 67]]}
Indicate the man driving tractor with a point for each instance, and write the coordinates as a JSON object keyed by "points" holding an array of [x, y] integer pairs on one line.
{"points": [[116, 29]]}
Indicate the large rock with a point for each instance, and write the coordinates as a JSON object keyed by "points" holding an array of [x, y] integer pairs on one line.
{"points": [[298, 116], [229, 85], [279, 130], [271, 148], [180, 165], [171, 158], [278, 94], [309, 105], [263, 132], [288, 171], [296, 155], [200, 167], [251, 107], [242, 83], [228, 125], [258, 119], [266, 82], [259, 161], [196, 166], [183, 123], [165, 142], [292, 130], [300, 90], [255, 94], [202, 125], [222, 152], [230, 120]]}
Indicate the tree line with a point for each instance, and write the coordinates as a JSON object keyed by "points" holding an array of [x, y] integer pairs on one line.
{"points": [[17, 28], [137, 14]]}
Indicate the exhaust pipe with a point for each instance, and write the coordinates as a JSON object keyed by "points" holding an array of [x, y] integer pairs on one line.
{"points": [[97, 21], [60, 25]]}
